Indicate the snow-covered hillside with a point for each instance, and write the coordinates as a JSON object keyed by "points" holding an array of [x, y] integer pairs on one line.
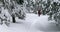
{"points": [[32, 23]]}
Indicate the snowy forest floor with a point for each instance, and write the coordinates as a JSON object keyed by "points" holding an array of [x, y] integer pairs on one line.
{"points": [[32, 23]]}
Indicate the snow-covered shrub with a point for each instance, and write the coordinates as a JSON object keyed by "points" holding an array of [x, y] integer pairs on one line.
{"points": [[4, 16]]}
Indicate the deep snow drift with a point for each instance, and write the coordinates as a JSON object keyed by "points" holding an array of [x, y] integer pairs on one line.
{"points": [[32, 23]]}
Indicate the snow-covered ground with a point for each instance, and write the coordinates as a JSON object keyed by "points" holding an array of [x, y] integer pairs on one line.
{"points": [[32, 23]]}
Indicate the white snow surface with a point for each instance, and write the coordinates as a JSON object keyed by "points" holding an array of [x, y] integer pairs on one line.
{"points": [[32, 23]]}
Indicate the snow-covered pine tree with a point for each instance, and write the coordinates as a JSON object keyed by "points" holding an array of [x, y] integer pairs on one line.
{"points": [[56, 11], [52, 8], [12, 6], [17, 7], [3, 16]]}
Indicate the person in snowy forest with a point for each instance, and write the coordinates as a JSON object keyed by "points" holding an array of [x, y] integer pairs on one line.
{"points": [[39, 12]]}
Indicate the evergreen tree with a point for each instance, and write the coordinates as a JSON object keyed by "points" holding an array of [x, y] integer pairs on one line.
{"points": [[13, 6], [52, 9]]}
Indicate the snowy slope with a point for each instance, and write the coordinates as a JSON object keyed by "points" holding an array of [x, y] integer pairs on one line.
{"points": [[32, 23]]}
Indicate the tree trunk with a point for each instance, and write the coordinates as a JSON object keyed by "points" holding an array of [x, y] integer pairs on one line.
{"points": [[13, 19]]}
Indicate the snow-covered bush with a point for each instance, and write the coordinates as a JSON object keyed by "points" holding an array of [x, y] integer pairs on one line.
{"points": [[4, 16]]}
